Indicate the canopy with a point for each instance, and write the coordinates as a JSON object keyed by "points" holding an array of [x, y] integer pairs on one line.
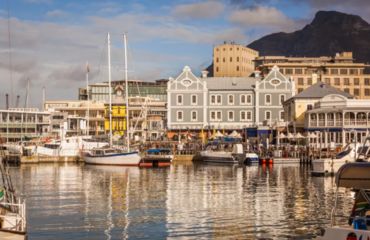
{"points": [[290, 136], [218, 134], [298, 135], [235, 134], [312, 135], [354, 175], [282, 135], [158, 150]]}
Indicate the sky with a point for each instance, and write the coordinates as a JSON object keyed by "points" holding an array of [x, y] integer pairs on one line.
{"points": [[48, 42]]}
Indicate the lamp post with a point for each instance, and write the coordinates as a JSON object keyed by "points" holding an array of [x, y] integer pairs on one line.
{"points": [[355, 139]]}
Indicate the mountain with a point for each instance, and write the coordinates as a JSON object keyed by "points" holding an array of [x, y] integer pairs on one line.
{"points": [[329, 32]]}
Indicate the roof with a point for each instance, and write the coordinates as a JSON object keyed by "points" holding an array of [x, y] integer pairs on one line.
{"points": [[320, 90], [230, 83]]}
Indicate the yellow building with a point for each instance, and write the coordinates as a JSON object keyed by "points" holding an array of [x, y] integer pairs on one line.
{"points": [[233, 60], [339, 71], [118, 119]]}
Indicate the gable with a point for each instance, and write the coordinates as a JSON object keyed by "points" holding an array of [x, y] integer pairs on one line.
{"points": [[275, 80], [186, 81]]}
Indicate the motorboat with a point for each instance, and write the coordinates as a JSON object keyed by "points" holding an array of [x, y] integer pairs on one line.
{"points": [[355, 176], [329, 166], [111, 156], [251, 158], [225, 153], [157, 157]]}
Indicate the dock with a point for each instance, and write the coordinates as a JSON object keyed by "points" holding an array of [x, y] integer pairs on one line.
{"points": [[11, 236]]}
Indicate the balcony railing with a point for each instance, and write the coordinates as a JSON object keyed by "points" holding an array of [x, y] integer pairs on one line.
{"points": [[340, 123]]}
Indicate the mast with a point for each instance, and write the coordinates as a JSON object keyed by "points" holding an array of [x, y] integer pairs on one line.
{"points": [[88, 100], [126, 95], [27, 93], [110, 95]]}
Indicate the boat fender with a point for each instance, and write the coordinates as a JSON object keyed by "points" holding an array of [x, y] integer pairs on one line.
{"points": [[263, 161], [271, 161]]}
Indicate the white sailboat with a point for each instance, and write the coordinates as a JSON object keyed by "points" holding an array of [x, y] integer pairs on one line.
{"points": [[114, 156]]}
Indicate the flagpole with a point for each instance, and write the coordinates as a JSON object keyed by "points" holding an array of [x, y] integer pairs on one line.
{"points": [[88, 99]]}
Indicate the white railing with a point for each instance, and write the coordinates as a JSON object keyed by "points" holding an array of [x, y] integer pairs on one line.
{"points": [[14, 220]]}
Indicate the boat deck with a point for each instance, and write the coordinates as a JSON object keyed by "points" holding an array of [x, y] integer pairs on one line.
{"points": [[11, 236]]}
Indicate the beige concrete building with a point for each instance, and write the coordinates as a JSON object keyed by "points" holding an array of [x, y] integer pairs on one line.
{"points": [[339, 71], [233, 60], [75, 111]]}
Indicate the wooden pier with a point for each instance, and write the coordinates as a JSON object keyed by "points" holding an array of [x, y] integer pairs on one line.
{"points": [[5, 235]]}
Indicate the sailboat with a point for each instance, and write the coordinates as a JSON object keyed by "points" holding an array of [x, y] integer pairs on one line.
{"points": [[111, 155]]}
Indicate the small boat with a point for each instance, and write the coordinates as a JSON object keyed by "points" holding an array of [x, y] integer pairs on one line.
{"points": [[354, 176], [251, 158], [223, 153], [329, 166], [111, 156], [157, 157]]}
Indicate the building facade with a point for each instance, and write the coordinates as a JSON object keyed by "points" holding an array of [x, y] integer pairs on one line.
{"points": [[295, 107], [339, 71], [233, 60], [229, 103], [17, 124], [336, 119]]}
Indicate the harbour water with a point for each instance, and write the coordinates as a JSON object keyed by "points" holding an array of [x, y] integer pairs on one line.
{"points": [[75, 201]]}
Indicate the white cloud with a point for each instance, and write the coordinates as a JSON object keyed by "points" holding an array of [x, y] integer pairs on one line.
{"points": [[268, 18], [201, 10], [56, 13]]}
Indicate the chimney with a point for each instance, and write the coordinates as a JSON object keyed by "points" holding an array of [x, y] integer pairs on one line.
{"points": [[17, 102], [6, 101], [204, 73]]}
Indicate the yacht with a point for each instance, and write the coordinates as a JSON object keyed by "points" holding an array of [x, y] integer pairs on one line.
{"points": [[355, 176], [222, 152]]}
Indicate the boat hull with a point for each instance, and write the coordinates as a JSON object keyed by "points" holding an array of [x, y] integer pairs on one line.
{"points": [[219, 157], [343, 233], [327, 166], [122, 159], [156, 161]]}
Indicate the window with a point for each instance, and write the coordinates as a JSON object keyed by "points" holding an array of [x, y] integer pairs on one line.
{"points": [[223, 59], [356, 92], [268, 99], [237, 68], [288, 71], [282, 98], [243, 99], [346, 81], [367, 92], [230, 115], [216, 59], [219, 99], [249, 99], [367, 81], [300, 90], [282, 116], [231, 59], [180, 116], [179, 99], [219, 115], [337, 81], [213, 99], [216, 69], [334, 71], [242, 116], [267, 115], [309, 81], [194, 116], [300, 81], [230, 99], [298, 71], [353, 71], [216, 116], [346, 90], [237, 59], [343, 71], [249, 116], [327, 81], [356, 81], [194, 100]]}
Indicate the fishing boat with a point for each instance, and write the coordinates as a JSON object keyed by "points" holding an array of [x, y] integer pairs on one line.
{"points": [[112, 155], [355, 176], [329, 166], [157, 157], [251, 158]]}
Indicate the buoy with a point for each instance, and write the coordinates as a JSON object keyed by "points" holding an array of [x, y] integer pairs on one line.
{"points": [[263, 161], [271, 161]]}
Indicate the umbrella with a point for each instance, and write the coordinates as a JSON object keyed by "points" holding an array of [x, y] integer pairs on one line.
{"points": [[290, 136], [282, 135], [219, 134], [298, 135], [312, 135]]}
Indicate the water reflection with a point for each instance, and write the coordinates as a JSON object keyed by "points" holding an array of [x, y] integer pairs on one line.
{"points": [[184, 201]]}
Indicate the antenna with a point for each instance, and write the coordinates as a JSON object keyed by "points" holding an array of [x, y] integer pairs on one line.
{"points": [[17, 102], [27, 93], [43, 98]]}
